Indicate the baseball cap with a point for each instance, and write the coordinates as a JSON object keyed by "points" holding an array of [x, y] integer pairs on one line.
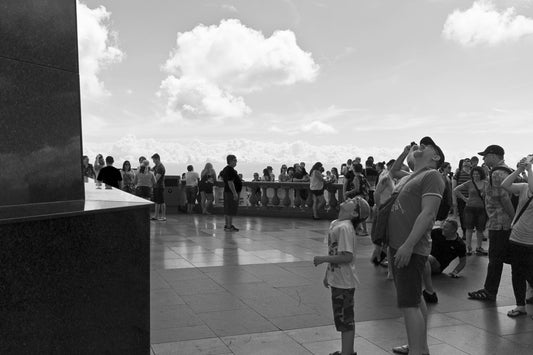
{"points": [[492, 149], [428, 141]]}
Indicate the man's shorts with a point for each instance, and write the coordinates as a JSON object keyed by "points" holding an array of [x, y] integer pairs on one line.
{"points": [[191, 192], [475, 217], [318, 192], [408, 280], [343, 308], [159, 195], [230, 205]]}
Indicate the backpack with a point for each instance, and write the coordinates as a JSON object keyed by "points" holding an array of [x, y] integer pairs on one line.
{"points": [[514, 198]]}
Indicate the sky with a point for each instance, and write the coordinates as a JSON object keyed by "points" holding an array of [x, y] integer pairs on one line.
{"points": [[284, 81]]}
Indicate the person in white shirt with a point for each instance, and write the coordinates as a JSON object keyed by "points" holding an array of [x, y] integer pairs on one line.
{"points": [[340, 273], [191, 187], [521, 239]]}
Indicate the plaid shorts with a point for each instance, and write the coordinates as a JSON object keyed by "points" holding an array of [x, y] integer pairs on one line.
{"points": [[342, 300]]}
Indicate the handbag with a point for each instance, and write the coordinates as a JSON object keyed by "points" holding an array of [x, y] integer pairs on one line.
{"points": [[380, 235]]}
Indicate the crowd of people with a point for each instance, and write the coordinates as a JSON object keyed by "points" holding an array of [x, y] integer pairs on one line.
{"points": [[417, 206]]}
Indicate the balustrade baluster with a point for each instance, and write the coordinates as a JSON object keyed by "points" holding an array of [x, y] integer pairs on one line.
{"points": [[275, 198], [264, 197], [286, 199], [297, 198]]}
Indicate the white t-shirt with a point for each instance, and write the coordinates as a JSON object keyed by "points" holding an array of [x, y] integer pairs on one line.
{"points": [[341, 237], [522, 231], [191, 178]]}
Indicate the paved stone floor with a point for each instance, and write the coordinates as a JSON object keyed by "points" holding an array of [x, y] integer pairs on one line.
{"points": [[256, 291]]}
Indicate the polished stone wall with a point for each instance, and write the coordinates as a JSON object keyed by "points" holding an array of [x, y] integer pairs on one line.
{"points": [[40, 119], [76, 285]]}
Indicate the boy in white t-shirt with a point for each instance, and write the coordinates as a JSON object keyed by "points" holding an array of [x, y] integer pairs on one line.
{"points": [[340, 273]]}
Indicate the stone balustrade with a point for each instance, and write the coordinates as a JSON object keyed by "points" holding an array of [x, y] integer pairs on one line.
{"points": [[264, 198]]}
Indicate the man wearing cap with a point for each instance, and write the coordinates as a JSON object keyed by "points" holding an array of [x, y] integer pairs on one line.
{"points": [[410, 223], [500, 212]]}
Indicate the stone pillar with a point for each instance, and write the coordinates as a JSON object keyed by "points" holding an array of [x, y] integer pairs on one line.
{"points": [[75, 266]]}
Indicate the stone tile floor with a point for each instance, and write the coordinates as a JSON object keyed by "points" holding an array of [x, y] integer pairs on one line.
{"points": [[256, 291]]}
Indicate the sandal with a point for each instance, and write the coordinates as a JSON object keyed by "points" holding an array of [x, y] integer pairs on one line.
{"points": [[513, 313], [481, 295]]}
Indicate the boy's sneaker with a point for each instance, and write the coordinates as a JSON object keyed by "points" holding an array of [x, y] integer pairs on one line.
{"points": [[529, 300], [430, 297], [227, 229], [481, 251], [162, 219], [233, 228]]}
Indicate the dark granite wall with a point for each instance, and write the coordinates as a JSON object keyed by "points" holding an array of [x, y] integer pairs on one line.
{"points": [[76, 285], [40, 119]]}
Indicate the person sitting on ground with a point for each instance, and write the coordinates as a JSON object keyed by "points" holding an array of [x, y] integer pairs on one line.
{"points": [[474, 211], [446, 246], [340, 272]]}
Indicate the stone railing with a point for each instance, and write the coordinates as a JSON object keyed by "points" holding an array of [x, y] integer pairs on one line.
{"points": [[264, 198]]}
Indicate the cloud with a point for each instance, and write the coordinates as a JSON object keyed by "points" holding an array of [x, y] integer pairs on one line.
{"points": [[319, 127], [483, 24], [97, 48], [229, 8], [213, 66]]}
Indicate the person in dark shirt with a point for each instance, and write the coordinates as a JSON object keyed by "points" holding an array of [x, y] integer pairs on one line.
{"points": [[110, 175], [232, 190], [446, 246]]}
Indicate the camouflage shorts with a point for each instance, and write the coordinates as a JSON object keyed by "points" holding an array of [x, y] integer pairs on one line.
{"points": [[343, 308]]}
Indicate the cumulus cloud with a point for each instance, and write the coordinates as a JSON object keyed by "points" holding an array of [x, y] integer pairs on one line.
{"points": [[253, 154], [319, 127], [97, 48], [484, 24], [213, 66]]}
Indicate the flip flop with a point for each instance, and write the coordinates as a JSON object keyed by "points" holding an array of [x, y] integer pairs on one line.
{"points": [[513, 313]]}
